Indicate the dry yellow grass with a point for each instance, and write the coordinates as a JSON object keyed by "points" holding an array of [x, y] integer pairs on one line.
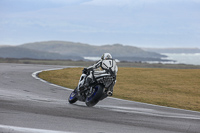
{"points": [[179, 88]]}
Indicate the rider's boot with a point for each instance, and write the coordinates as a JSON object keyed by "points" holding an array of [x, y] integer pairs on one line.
{"points": [[109, 93]]}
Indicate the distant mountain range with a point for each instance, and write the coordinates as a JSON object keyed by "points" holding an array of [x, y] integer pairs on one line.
{"points": [[173, 50], [77, 51], [20, 52]]}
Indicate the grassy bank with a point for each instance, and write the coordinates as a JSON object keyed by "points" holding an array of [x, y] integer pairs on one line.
{"points": [[88, 63], [179, 88]]}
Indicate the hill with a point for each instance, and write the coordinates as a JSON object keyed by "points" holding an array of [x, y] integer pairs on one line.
{"points": [[69, 48], [173, 50], [20, 52], [126, 53], [77, 51]]}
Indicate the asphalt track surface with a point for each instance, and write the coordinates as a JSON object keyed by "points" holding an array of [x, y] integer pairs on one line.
{"points": [[28, 105]]}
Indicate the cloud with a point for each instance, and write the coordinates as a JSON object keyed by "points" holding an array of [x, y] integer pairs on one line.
{"points": [[119, 2], [33, 5], [66, 1], [113, 20], [45, 1], [197, 1], [132, 2]]}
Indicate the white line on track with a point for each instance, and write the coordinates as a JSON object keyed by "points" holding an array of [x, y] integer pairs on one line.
{"points": [[146, 111], [36, 77], [14, 129]]}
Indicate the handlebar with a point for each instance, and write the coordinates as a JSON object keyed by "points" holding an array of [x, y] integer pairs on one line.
{"points": [[87, 71]]}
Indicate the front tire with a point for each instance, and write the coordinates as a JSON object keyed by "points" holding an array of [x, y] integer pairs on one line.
{"points": [[73, 97], [93, 98]]}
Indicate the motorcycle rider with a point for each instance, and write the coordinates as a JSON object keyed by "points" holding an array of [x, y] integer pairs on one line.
{"points": [[108, 68]]}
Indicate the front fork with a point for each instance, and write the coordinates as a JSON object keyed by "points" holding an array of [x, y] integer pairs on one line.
{"points": [[81, 81]]}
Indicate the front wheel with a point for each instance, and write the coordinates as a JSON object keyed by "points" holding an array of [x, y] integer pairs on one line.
{"points": [[94, 97], [73, 97]]}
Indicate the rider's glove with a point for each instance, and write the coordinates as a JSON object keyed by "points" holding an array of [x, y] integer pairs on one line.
{"points": [[85, 70]]}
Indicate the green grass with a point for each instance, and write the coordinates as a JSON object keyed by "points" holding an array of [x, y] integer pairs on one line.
{"points": [[179, 88]]}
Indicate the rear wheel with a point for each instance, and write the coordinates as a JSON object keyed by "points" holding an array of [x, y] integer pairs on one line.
{"points": [[73, 97], [94, 97]]}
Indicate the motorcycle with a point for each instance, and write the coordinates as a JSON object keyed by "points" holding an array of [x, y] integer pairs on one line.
{"points": [[97, 90]]}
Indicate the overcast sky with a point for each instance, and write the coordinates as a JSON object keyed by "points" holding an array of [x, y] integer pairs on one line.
{"points": [[142, 23]]}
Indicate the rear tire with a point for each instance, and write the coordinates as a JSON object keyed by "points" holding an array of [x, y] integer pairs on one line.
{"points": [[73, 97], [95, 96]]}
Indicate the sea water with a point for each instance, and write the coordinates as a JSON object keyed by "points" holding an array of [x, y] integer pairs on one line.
{"points": [[184, 58], [178, 58]]}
